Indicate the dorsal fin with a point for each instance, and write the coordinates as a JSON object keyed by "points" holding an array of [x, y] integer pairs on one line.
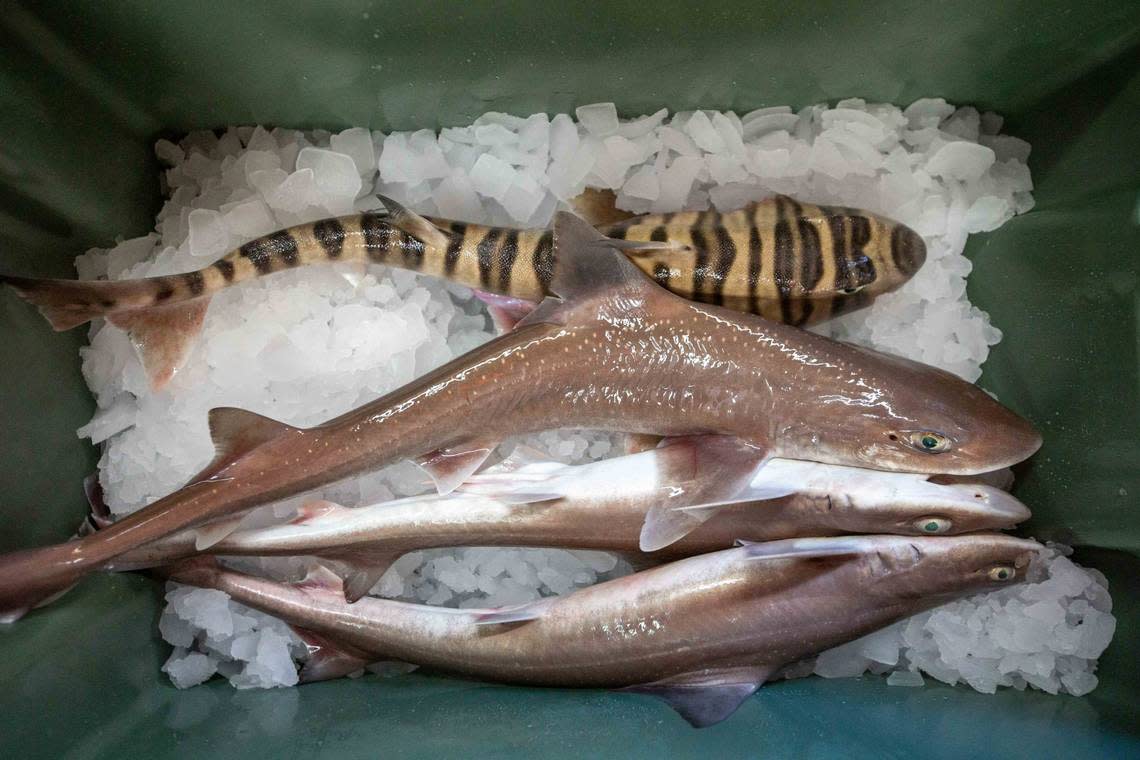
{"points": [[586, 263], [235, 432]]}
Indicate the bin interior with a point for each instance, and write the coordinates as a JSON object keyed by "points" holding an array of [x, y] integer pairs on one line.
{"points": [[86, 87]]}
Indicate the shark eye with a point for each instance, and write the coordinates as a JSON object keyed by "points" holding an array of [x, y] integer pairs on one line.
{"points": [[851, 290], [928, 441], [1001, 573], [933, 525]]}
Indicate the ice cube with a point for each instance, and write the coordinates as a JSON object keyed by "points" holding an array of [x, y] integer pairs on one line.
{"points": [[905, 678], [209, 235], [643, 183], [960, 160], [492, 177], [356, 143], [599, 119], [335, 174]]}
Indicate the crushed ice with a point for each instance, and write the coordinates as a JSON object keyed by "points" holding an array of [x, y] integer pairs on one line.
{"points": [[309, 344]]}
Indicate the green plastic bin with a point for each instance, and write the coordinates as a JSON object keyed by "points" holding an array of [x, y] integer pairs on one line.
{"points": [[86, 86]]}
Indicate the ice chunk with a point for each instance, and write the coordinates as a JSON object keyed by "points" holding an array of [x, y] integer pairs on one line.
{"points": [[563, 138], [987, 213], [960, 160], [169, 153], [188, 669], [336, 175], [356, 143], [905, 678], [250, 219], [927, 112], [599, 119], [455, 197], [492, 177], [209, 235], [704, 134], [643, 183]]}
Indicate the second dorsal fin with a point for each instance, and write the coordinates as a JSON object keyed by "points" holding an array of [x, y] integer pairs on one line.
{"points": [[236, 432]]}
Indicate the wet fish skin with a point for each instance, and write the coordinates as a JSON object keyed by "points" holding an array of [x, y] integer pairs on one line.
{"points": [[602, 506], [702, 633], [619, 353]]}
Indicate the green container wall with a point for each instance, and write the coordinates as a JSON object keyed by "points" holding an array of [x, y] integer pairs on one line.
{"points": [[86, 86]]}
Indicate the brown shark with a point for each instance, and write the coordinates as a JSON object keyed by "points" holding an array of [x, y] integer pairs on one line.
{"points": [[701, 633], [613, 352], [603, 505]]}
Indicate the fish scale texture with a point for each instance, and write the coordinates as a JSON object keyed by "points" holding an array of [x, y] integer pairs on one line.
{"points": [[309, 344]]}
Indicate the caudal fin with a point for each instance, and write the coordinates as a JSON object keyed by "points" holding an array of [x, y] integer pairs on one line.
{"points": [[162, 317], [34, 578]]}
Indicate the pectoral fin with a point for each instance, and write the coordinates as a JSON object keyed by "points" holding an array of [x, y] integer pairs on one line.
{"points": [[414, 224], [506, 311], [451, 466], [327, 660], [320, 511], [524, 477], [163, 335], [832, 546], [708, 697], [360, 569], [711, 471], [523, 613]]}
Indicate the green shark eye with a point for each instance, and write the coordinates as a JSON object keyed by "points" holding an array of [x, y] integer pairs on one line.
{"points": [[928, 441], [1001, 573], [933, 525]]}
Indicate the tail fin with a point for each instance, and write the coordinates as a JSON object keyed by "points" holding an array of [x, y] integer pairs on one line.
{"points": [[162, 334], [36, 577]]}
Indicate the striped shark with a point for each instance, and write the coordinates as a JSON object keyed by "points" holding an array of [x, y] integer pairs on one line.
{"points": [[788, 261], [702, 634], [613, 351]]}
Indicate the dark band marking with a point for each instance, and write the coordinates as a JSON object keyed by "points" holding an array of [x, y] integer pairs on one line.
{"points": [[837, 222], [412, 248], [454, 247], [377, 235], [811, 265], [226, 268], [908, 250], [755, 266], [543, 260], [165, 291], [330, 235], [700, 263], [618, 231], [659, 234], [784, 261], [726, 255], [264, 252], [507, 255], [486, 253], [862, 268], [662, 274], [195, 282]]}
